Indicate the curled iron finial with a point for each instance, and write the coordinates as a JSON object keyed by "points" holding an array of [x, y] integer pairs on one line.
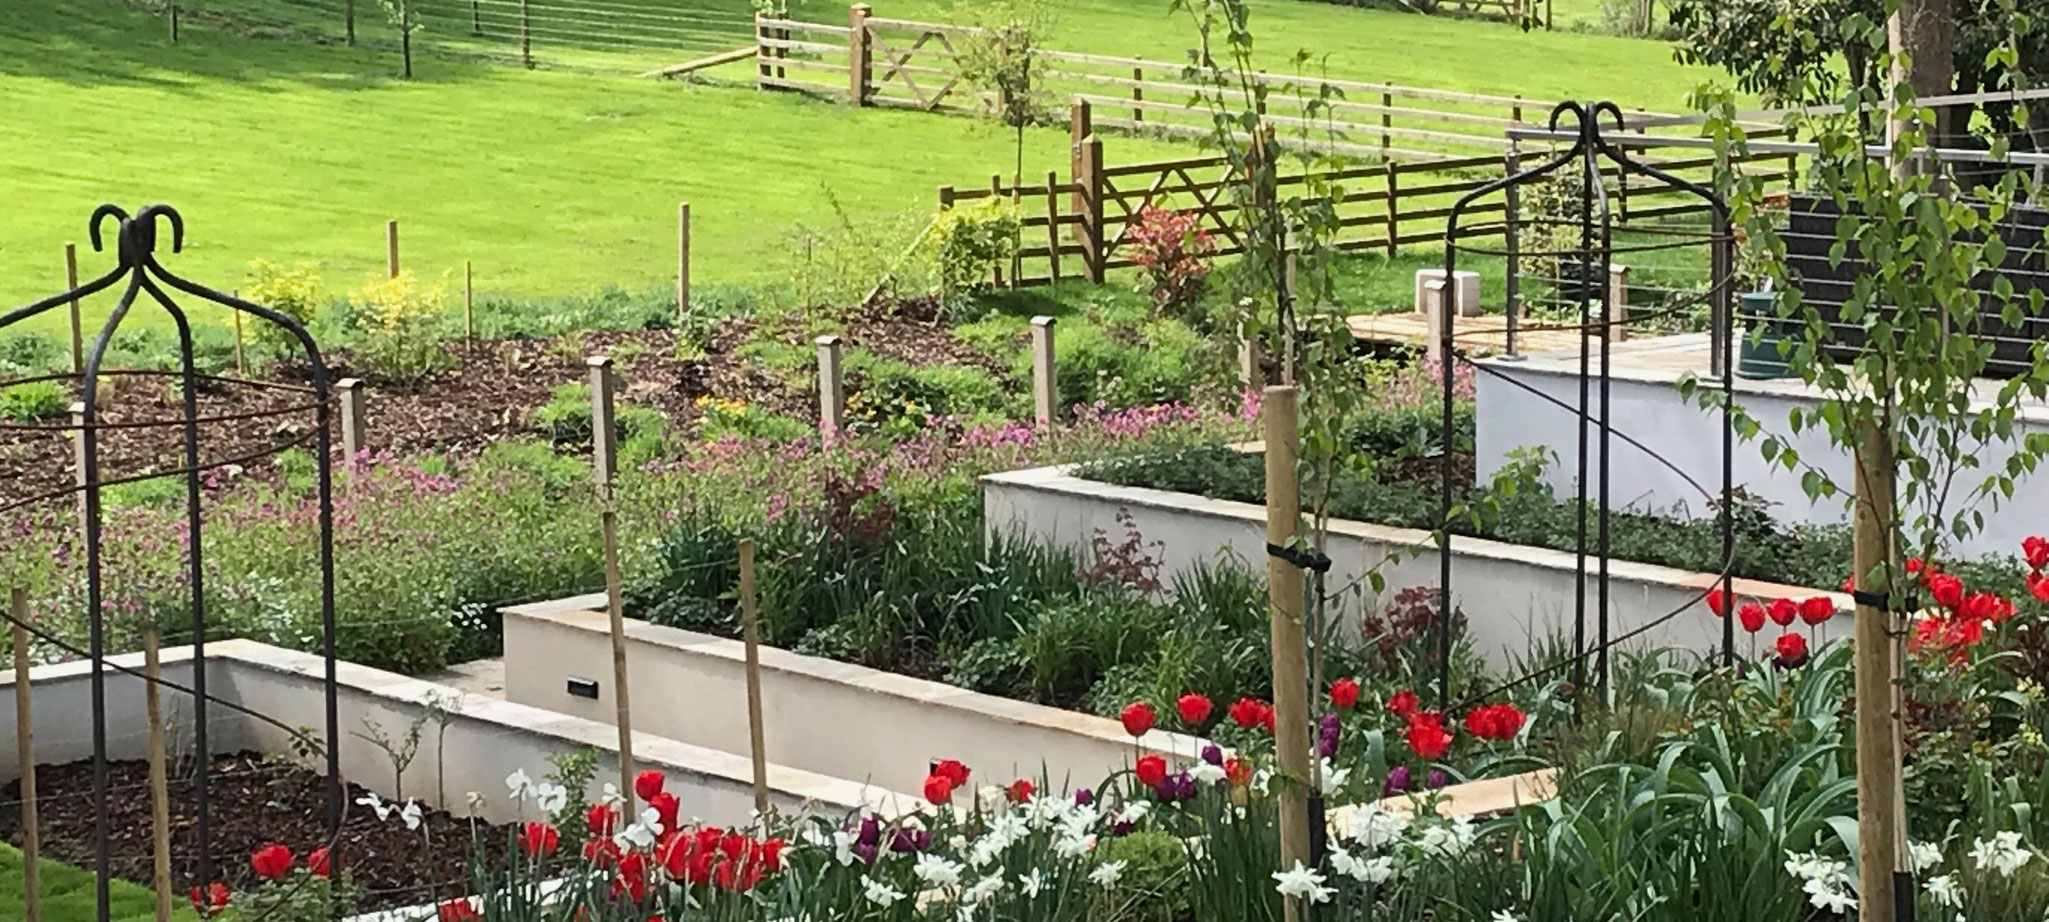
{"points": [[1611, 109], [1579, 113], [100, 214], [146, 227]]}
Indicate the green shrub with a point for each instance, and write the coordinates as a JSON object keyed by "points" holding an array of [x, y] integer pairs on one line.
{"points": [[724, 417], [969, 243], [1155, 882], [896, 399], [397, 323], [567, 414], [35, 402], [32, 353], [294, 292]]}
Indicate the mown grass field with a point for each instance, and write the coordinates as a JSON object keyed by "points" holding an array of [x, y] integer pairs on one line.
{"points": [[67, 893], [560, 181]]}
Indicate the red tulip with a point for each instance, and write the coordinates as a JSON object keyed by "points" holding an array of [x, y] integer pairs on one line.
{"points": [[1237, 770], [601, 851], [1151, 770], [1495, 721], [1427, 736], [2038, 586], [648, 783], [1752, 616], [1195, 709], [1783, 612], [938, 790], [1947, 590], [1792, 649], [1403, 704], [632, 879], [319, 862], [2037, 550], [211, 900], [271, 862], [952, 770], [1914, 566], [665, 807], [1251, 712], [457, 910], [601, 819], [1019, 791], [1717, 601], [539, 839], [1817, 610], [1138, 718], [1344, 694]]}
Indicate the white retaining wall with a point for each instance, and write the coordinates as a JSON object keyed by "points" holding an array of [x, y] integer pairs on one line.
{"points": [[821, 715], [1511, 594]]}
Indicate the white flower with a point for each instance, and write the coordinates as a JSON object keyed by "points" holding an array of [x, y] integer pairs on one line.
{"points": [[1207, 775], [992, 798], [1302, 883], [937, 871], [1826, 881], [376, 805], [984, 890], [1922, 855], [1503, 915], [1370, 870], [1107, 874], [612, 797], [843, 848], [551, 797], [1375, 828], [1945, 892], [475, 800], [879, 893], [518, 784], [410, 813], [1074, 846], [1448, 841], [1032, 883], [2002, 852], [1134, 811], [641, 833], [1332, 776]]}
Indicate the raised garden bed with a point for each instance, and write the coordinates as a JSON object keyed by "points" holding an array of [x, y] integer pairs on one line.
{"points": [[254, 801]]}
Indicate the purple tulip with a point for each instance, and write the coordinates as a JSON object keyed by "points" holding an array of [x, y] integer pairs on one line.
{"points": [[910, 841], [1398, 782], [1327, 740], [1437, 779], [864, 851], [871, 831], [1084, 797], [1213, 755]]}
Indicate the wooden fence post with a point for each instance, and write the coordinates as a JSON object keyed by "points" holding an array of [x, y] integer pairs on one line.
{"points": [[1249, 373], [1617, 313], [469, 308], [77, 325], [24, 748], [391, 248], [526, 37], [859, 60], [1053, 225], [159, 776], [604, 432], [1290, 643], [682, 262], [349, 21], [832, 395], [1045, 383], [750, 632], [476, 20], [1090, 176], [1394, 210], [1137, 92], [1386, 120], [761, 70], [349, 391], [241, 357], [174, 22], [1433, 320]]}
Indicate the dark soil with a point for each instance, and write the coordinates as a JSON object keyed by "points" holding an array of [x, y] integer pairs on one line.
{"points": [[252, 803], [1428, 471], [491, 395]]}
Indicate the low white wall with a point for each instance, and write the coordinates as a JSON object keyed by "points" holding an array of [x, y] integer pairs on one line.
{"points": [[1514, 413], [1510, 593], [486, 740], [824, 716], [62, 718]]}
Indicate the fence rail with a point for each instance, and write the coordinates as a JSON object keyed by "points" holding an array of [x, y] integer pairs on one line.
{"points": [[877, 61]]}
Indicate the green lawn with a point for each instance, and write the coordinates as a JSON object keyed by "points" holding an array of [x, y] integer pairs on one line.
{"points": [[68, 893], [560, 181]]}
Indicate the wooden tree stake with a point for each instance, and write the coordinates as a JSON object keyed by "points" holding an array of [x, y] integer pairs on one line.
{"points": [[469, 307], [750, 626], [1290, 641], [1045, 382], [832, 394], [241, 357], [682, 262], [78, 478], [1878, 762], [159, 777], [604, 469], [391, 248], [77, 324], [24, 748]]}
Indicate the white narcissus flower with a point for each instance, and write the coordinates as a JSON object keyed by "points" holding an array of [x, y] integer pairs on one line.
{"points": [[612, 797], [1207, 775], [984, 890], [1374, 828], [1302, 883], [1923, 855], [1332, 777], [992, 798], [1134, 811], [843, 848], [1368, 870], [1945, 892], [475, 800], [1107, 874], [937, 871], [410, 813], [518, 784], [551, 798], [1448, 841], [1074, 846], [879, 893], [376, 805], [1503, 915], [1032, 883], [2003, 853]]}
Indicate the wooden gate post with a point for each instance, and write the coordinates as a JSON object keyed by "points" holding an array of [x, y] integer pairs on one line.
{"points": [[1089, 175], [1045, 385], [24, 748], [859, 59], [1386, 120], [832, 394], [349, 391], [760, 51], [1393, 209]]}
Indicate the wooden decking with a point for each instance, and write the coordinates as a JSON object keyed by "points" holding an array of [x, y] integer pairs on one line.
{"points": [[1486, 334]]}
